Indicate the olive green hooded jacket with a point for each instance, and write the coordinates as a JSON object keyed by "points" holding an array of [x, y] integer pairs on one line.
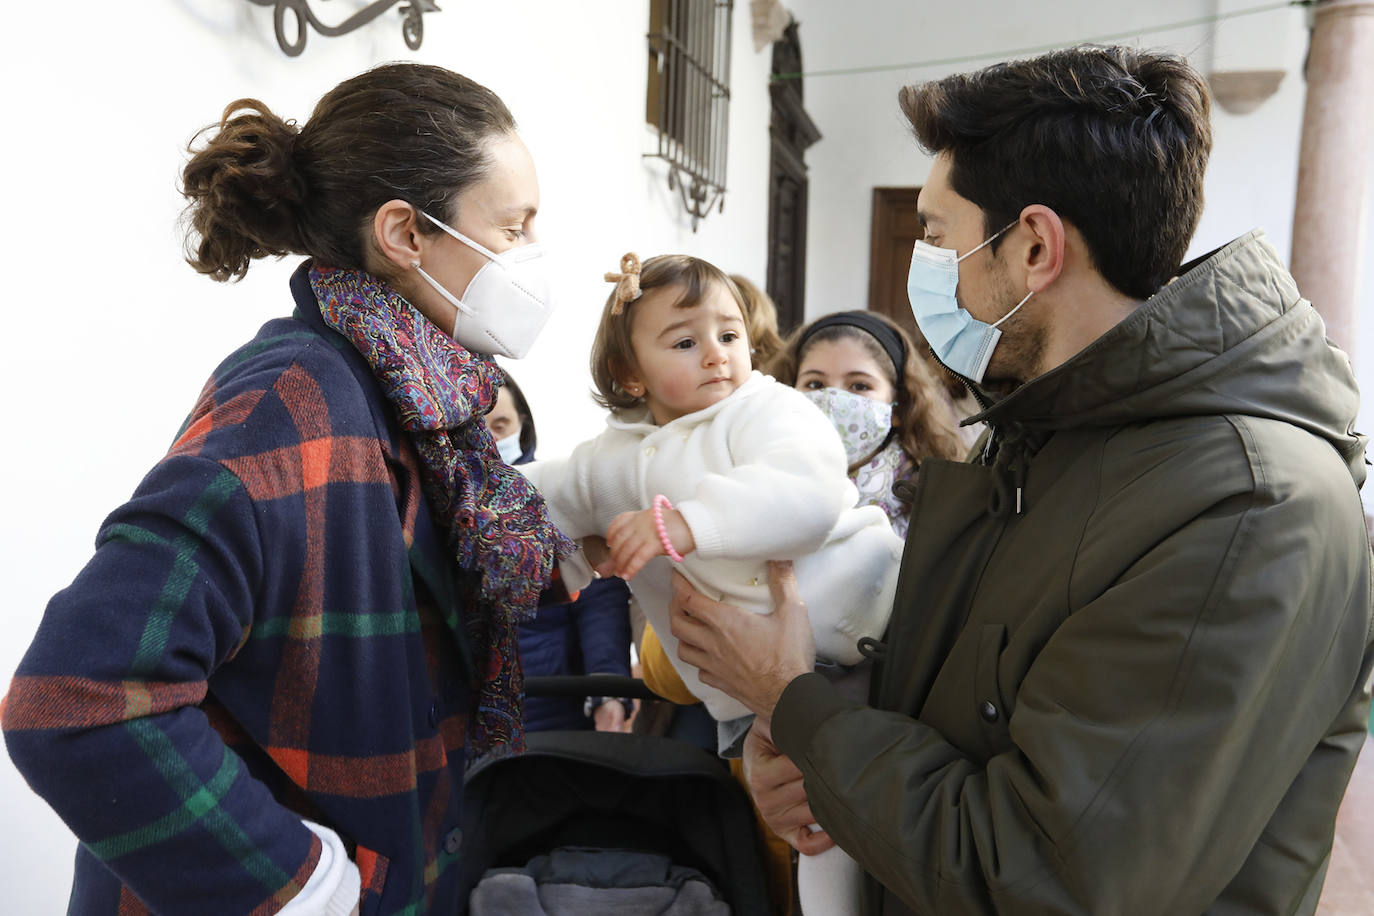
{"points": [[1128, 665]]}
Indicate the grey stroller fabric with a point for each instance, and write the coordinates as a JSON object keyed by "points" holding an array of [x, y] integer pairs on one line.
{"points": [[672, 802], [606, 882]]}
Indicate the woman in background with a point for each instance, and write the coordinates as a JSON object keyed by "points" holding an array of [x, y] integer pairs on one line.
{"points": [[862, 371], [588, 635], [760, 321]]}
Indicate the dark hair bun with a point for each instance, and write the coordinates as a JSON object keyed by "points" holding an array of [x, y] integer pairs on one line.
{"points": [[400, 131], [244, 192]]}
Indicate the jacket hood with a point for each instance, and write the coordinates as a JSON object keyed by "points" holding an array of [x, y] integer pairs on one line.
{"points": [[1229, 335]]}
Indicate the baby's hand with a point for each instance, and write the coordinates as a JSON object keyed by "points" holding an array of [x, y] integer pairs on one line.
{"points": [[633, 539]]}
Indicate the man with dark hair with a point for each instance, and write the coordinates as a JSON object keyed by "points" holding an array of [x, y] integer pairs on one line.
{"points": [[1128, 668]]}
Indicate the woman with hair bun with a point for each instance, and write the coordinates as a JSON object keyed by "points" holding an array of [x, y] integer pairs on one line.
{"points": [[261, 692]]}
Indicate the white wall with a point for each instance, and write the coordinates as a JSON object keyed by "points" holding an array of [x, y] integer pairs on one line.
{"points": [[110, 335]]}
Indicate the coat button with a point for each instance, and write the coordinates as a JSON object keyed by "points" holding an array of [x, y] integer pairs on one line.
{"points": [[650, 451], [454, 841], [988, 710], [434, 714]]}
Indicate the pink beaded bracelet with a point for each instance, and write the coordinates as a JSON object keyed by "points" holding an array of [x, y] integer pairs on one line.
{"points": [[659, 502]]}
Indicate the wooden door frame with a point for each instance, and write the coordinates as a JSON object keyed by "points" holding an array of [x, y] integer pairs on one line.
{"points": [[791, 132]]}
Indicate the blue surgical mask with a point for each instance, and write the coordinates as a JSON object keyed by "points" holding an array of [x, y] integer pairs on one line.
{"points": [[509, 447], [960, 341]]}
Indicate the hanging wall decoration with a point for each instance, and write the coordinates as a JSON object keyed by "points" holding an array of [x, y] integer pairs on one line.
{"points": [[412, 21]]}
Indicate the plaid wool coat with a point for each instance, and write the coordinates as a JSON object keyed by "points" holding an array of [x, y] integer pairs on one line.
{"points": [[258, 637]]}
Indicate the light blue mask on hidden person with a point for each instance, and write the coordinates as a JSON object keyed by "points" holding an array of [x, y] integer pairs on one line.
{"points": [[509, 447]]}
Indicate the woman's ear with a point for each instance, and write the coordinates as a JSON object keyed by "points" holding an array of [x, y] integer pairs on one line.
{"points": [[396, 235]]}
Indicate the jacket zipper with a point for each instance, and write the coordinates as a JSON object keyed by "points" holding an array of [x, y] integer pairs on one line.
{"points": [[983, 404]]}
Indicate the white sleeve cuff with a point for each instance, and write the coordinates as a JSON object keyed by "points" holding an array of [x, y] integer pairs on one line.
{"points": [[577, 571], [335, 885]]}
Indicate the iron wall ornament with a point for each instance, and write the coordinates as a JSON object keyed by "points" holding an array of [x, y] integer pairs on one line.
{"points": [[412, 21]]}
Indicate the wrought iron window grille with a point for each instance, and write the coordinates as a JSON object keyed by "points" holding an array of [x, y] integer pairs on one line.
{"points": [[689, 98], [412, 21]]}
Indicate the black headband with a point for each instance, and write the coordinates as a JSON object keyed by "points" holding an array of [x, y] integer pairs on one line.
{"points": [[887, 338]]}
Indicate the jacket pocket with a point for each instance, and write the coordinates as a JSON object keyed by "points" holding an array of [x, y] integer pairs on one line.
{"points": [[991, 708], [372, 867]]}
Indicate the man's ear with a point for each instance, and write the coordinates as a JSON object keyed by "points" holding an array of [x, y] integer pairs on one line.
{"points": [[1043, 258], [396, 234]]}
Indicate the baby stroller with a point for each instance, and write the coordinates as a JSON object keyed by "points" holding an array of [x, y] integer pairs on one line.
{"points": [[608, 823]]}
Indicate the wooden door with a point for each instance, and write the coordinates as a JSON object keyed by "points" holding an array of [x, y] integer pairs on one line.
{"points": [[895, 231]]}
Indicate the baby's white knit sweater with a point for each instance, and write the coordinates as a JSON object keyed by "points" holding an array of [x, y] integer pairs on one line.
{"points": [[758, 476]]}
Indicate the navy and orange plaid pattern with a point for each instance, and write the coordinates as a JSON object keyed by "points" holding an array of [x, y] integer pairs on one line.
{"points": [[260, 636]]}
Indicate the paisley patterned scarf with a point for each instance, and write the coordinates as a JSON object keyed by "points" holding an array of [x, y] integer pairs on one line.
{"points": [[496, 522]]}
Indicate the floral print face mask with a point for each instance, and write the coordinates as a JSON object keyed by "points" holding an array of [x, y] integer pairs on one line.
{"points": [[863, 423]]}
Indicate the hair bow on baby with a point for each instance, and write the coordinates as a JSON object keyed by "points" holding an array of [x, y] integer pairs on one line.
{"points": [[626, 282]]}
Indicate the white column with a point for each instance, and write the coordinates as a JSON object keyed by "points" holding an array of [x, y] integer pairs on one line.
{"points": [[1335, 162]]}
